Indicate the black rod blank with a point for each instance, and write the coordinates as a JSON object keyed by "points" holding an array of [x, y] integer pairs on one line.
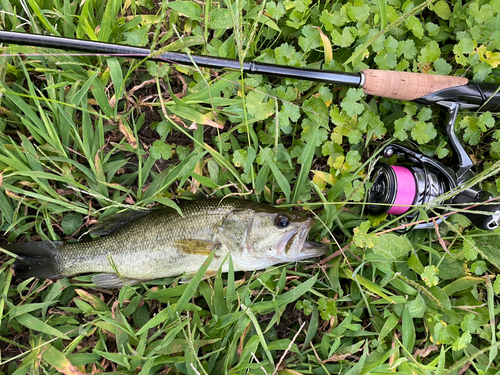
{"points": [[45, 41]]}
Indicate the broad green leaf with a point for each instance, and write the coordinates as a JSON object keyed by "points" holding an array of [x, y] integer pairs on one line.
{"points": [[351, 104], [161, 150], [402, 125], [489, 248], [442, 9], [71, 223], [259, 105], [240, 158], [479, 267], [407, 49], [430, 275], [359, 13], [220, 18], [415, 264], [429, 53], [462, 342], [275, 10], [423, 132], [392, 246], [470, 249], [445, 333], [415, 26], [442, 67], [311, 39], [417, 307], [436, 298], [470, 323], [188, 8], [328, 309], [364, 239]]}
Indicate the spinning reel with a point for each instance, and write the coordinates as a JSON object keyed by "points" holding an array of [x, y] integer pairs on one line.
{"points": [[396, 189]]}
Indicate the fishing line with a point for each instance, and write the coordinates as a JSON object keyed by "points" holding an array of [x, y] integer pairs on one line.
{"points": [[62, 54], [405, 190]]}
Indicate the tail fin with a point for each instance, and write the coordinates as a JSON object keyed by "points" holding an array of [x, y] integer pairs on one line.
{"points": [[35, 259]]}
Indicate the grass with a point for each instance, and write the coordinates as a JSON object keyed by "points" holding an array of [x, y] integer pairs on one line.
{"points": [[83, 137]]}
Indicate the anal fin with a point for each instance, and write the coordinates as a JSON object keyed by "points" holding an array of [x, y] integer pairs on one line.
{"points": [[112, 280]]}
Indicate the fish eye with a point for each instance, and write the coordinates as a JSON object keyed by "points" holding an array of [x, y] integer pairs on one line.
{"points": [[282, 221]]}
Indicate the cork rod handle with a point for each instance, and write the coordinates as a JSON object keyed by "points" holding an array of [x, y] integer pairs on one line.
{"points": [[406, 86]]}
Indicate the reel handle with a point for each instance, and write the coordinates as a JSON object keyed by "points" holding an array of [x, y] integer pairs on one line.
{"points": [[482, 221]]}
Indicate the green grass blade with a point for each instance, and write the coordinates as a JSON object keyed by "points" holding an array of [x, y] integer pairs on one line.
{"points": [[193, 285], [305, 169], [278, 175], [36, 324]]}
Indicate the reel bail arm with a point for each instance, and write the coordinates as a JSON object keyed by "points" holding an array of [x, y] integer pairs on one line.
{"points": [[462, 163]]}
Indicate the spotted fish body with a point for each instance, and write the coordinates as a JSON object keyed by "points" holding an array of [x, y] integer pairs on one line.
{"points": [[161, 243]]}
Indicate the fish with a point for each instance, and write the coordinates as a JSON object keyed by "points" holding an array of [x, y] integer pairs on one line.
{"points": [[138, 246]]}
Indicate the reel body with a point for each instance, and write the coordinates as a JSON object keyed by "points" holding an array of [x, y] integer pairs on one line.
{"points": [[396, 189], [422, 180], [399, 188]]}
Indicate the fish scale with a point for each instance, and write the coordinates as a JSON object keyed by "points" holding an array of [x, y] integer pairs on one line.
{"points": [[161, 243], [145, 249]]}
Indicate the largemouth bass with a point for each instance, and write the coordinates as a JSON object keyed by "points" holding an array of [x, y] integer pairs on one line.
{"points": [[145, 245]]}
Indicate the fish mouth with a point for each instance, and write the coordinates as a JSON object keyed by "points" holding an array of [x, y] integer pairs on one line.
{"points": [[312, 249], [308, 249]]}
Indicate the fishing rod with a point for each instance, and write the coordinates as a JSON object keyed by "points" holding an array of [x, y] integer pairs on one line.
{"points": [[395, 188]]}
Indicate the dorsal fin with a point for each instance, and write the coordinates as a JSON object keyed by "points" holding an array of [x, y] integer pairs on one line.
{"points": [[109, 224]]}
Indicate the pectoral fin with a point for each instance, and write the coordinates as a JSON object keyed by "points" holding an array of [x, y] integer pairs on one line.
{"points": [[112, 280], [198, 247]]}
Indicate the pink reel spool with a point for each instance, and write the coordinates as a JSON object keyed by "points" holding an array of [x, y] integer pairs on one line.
{"points": [[394, 189], [405, 190]]}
